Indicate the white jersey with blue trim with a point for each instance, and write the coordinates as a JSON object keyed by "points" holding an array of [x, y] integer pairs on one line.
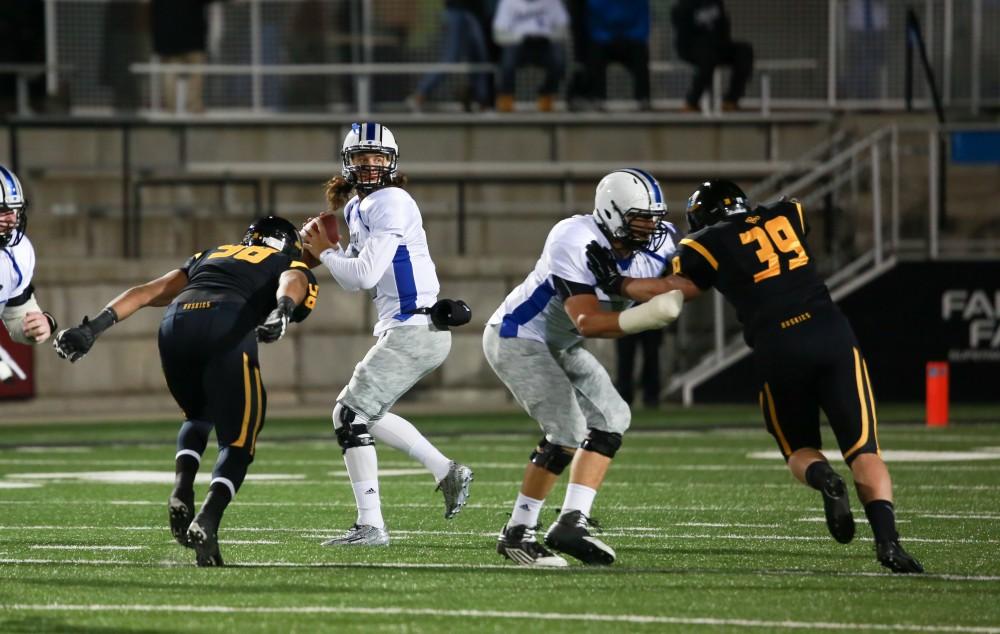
{"points": [[17, 266], [409, 281], [534, 311]]}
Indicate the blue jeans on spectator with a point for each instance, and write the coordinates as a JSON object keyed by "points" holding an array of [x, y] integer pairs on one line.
{"points": [[463, 41], [533, 51]]}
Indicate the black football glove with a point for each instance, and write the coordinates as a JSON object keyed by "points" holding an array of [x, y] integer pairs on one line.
{"points": [[273, 327], [75, 343], [601, 262]]}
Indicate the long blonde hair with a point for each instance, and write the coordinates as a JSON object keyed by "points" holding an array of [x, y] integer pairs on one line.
{"points": [[339, 190]]}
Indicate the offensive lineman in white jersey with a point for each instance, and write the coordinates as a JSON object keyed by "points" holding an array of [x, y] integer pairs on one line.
{"points": [[387, 256], [19, 309], [534, 343]]}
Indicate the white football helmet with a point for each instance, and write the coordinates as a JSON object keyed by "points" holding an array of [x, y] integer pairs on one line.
{"points": [[12, 199], [624, 196], [367, 138]]}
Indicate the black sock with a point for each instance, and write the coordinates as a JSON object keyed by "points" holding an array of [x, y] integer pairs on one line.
{"points": [[882, 518], [817, 473], [216, 501], [185, 469]]}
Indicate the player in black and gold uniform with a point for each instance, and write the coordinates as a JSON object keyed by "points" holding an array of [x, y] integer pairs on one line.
{"points": [[221, 303], [805, 353]]}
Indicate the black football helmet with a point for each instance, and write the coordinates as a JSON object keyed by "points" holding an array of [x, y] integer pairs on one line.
{"points": [[277, 233], [714, 201], [12, 200]]}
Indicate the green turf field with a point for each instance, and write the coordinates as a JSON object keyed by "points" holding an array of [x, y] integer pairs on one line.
{"points": [[711, 532]]}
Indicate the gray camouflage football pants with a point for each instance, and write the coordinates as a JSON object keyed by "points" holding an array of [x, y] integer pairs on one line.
{"points": [[566, 391], [401, 357]]}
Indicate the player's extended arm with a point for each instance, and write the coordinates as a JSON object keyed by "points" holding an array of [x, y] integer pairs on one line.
{"points": [[645, 288], [364, 271], [292, 288], [593, 321], [74, 343], [601, 262]]}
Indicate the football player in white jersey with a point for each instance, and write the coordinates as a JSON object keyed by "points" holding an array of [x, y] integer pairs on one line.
{"points": [[388, 257], [534, 343], [24, 319]]}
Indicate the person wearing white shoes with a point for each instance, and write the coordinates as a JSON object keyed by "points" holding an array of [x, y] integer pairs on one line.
{"points": [[387, 256], [534, 343]]}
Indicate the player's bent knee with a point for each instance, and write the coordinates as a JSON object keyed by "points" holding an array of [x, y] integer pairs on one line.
{"points": [[552, 458], [351, 428], [605, 443]]}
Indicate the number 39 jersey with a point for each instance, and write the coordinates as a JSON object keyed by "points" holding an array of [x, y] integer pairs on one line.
{"points": [[236, 272], [760, 263]]}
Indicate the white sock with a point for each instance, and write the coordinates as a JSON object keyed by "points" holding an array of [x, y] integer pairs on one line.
{"points": [[526, 511], [362, 467], [399, 433], [578, 498]]}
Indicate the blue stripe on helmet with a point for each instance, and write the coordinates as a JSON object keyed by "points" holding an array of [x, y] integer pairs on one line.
{"points": [[650, 183], [11, 182], [370, 131]]}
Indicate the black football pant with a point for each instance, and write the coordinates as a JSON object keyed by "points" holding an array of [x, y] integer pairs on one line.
{"points": [[632, 54], [811, 365], [209, 356]]}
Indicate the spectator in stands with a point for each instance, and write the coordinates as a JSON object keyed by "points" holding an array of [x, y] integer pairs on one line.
{"points": [[22, 41], [124, 40], [180, 36], [867, 24], [531, 32], [649, 341], [463, 41], [702, 38], [619, 32], [578, 91], [25, 321]]}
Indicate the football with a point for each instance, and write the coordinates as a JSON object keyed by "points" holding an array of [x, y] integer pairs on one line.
{"points": [[330, 227], [328, 223]]}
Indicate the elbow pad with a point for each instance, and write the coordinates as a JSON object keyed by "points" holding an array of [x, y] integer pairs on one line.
{"points": [[658, 312]]}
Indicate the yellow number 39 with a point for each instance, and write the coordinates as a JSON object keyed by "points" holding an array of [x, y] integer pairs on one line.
{"points": [[781, 235]]}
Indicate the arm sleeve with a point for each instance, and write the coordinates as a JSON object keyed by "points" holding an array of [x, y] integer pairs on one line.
{"points": [[566, 289], [365, 270], [304, 309]]}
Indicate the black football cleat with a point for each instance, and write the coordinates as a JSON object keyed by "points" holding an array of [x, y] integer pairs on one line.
{"points": [[180, 513], [891, 555], [837, 505], [518, 544], [205, 541], [570, 534]]}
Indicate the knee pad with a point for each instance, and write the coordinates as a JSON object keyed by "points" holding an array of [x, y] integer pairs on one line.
{"points": [[605, 443], [351, 429], [553, 458]]}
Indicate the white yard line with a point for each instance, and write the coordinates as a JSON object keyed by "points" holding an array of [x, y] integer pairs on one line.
{"points": [[82, 547], [508, 615], [644, 533], [644, 508]]}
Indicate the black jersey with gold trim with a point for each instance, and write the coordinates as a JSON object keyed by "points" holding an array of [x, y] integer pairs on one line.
{"points": [[247, 273], [759, 261]]}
